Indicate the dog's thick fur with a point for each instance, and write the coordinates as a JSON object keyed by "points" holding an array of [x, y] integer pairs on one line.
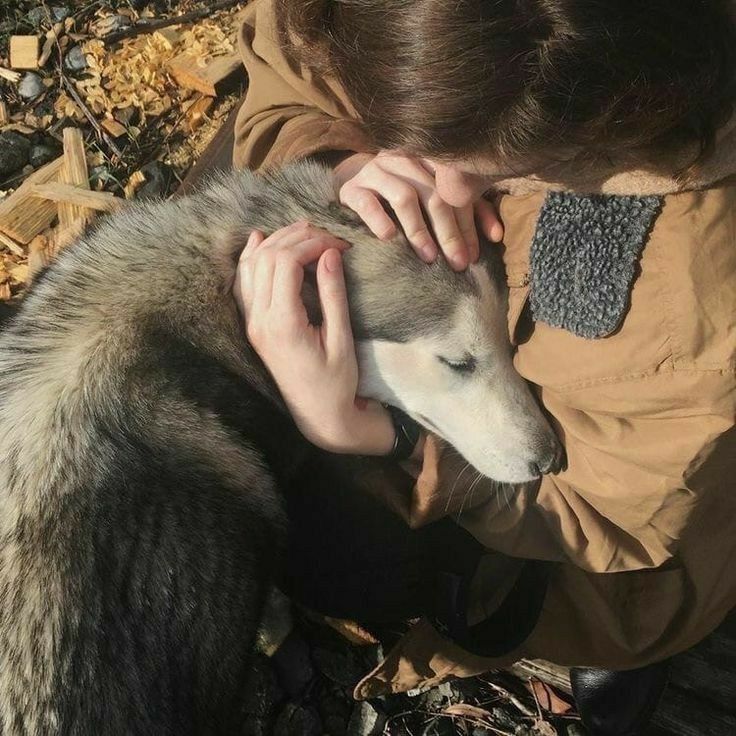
{"points": [[142, 445]]}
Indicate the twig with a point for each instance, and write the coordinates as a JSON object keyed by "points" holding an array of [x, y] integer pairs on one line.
{"points": [[506, 695], [155, 25], [93, 121]]}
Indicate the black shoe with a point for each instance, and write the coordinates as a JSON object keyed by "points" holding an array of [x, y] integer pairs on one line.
{"points": [[618, 703]]}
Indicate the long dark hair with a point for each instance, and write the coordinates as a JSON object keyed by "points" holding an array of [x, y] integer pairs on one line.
{"points": [[516, 79]]}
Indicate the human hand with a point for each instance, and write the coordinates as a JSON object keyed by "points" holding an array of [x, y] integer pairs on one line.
{"points": [[313, 366], [408, 185]]}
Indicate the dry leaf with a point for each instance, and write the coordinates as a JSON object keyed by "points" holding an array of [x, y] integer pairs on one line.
{"points": [[464, 710], [547, 698]]}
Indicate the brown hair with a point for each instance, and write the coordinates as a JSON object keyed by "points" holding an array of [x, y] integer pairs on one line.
{"points": [[513, 79]]}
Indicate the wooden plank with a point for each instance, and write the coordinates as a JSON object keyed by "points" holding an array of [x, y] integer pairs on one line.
{"points": [[75, 173], [80, 198], [24, 52], [11, 245], [22, 215], [187, 72]]}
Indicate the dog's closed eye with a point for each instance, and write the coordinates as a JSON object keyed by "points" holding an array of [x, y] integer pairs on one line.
{"points": [[464, 366]]}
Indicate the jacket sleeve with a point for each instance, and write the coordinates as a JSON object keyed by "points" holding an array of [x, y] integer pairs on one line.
{"points": [[637, 484], [289, 112]]}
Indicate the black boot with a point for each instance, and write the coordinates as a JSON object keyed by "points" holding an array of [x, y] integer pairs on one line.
{"points": [[618, 703]]}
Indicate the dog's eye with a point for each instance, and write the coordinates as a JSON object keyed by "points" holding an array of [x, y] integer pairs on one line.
{"points": [[464, 366]]}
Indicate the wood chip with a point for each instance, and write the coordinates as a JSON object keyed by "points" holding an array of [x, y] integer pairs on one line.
{"points": [[84, 198], [75, 173], [48, 46], [188, 72], [11, 245], [24, 52], [22, 215], [113, 127], [10, 76], [4, 118], [137, 178]]}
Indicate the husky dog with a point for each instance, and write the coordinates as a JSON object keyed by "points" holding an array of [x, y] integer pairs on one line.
{"points": [[143, 444]]}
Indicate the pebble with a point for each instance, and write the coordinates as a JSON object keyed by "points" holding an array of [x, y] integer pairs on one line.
{"points": [[41, 154], [293, 665], [14, 152], [38, 17], [298, 720], [75, 60], [159, 181], [440, 727], [366, 721], [31, 86]]}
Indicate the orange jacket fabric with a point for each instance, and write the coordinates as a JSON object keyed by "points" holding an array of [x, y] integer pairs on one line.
{"points": [[642, 523]]}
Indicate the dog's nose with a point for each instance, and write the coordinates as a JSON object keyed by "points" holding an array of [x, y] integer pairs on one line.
{"points": [[552, 463]]}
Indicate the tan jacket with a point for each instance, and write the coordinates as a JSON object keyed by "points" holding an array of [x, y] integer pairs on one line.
{"points": [[643, 521]]}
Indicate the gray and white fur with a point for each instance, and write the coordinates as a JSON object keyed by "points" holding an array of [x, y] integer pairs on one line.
{"points": [[143, 444]]}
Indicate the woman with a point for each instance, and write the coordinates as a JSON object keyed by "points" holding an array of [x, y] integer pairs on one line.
{"points": [[607, 129]]}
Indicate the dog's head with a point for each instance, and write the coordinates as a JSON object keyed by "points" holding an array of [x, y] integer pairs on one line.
{"points": [[430, 341], [435, 343]]}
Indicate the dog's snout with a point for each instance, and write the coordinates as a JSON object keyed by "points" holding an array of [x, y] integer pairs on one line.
{"points": [[554, 462]]}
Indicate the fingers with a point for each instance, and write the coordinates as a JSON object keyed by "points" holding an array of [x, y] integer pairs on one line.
{"points": [[408, 186], [488, 220], [271, 274], [337, 334]]}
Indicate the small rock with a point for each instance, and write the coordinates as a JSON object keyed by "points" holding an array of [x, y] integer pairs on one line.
{"points": [[159, 181], [14, 152], [75, 60], [297, 720], [293, 665], [366, 721], [440, 727], [38, 17], [441, 696], [31, 86], [41, 154], [575, 729]]}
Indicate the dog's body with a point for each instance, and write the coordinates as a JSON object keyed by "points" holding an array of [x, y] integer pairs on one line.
{"points": [[142, 445]]}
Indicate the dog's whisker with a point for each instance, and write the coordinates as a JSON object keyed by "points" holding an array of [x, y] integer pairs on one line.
{"points": [[454, 485]]}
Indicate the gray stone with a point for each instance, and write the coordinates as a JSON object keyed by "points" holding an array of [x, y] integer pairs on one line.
{"points": [[38, 17], [159, 181], [31, 86], [75, 60], [41, 154], [297, 720], [440, 727], [366, 721], [14, 151]]}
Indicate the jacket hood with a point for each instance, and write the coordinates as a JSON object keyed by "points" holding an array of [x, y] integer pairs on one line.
{"points": [[633, 178]]}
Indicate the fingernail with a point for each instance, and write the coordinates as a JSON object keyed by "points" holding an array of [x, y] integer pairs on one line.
{"points": [[497, 233], [332, 261], [458, 262], [428, 254]]}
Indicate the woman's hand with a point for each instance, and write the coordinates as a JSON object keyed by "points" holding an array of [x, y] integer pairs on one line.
{"points": [[408, 185], [314, 367]]}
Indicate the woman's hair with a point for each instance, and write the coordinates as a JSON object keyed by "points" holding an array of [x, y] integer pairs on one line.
{"points": [[514, 80]]}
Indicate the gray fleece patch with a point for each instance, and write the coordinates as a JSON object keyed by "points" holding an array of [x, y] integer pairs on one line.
{"points": [[583, 259]]}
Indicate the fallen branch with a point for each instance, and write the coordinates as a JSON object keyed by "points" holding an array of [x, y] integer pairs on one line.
{"points": [[69, 194], [156, 25]]}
